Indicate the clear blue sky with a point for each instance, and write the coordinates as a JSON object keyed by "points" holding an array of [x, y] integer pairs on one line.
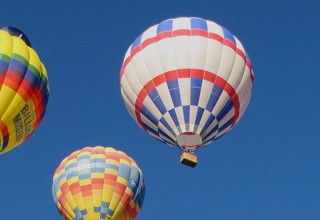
{"points": [[267, 167]]}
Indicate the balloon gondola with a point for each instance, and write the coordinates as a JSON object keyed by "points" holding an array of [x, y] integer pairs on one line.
{"points": [[186, 82]]}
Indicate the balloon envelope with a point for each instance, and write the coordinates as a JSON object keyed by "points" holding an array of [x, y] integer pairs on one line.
{"points": [[186, 81], [98, 183], [24, 89]]}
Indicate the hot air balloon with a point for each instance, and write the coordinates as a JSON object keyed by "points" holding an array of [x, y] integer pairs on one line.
{"points": [[98, 183], [24, 89], [186, 82]]}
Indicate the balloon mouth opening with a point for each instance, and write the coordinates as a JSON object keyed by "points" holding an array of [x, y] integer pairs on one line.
{"points": [[17, 33], [189, 141]]}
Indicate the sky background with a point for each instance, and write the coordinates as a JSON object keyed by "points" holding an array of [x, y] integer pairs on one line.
{"points": [[267, 167]]}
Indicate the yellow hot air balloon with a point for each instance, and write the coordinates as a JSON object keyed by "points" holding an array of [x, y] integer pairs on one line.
{"points": [[98, 183], [24, 89]]}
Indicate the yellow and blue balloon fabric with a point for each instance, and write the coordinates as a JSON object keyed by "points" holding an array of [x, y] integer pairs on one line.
{"points": [[98, 183]]}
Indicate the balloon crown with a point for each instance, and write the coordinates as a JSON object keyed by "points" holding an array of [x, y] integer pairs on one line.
{"points": [[16, 32]]}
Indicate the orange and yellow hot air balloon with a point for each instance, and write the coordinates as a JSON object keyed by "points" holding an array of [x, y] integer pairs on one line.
{"points": [[98, 183]]}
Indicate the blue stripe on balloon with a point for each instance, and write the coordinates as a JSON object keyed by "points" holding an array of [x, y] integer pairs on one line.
{"points": [[111, 166], [209, 140], [161, 107], [212, 131], [63, 175], [70, 175], [173, 87], [224, 111], [148, 115], [165, 26], [195, 82], [97, 209], [217, 90], [198, 23], [99, 160], [194, 97], [71, 170], [139, 197], [165, 135], [79, 216], [43, 90], [18, 68], [195, 91], [137, 42], [214, 96], [199, 115], [3, 67], [104, 209], [104, 206], [110, 212], [55, 186], [148, 128], [103, 215], [93, 165], [227, 34], [32, 79], [165, 123], [208, 123], [84, 211], [153, 94], [173, 84], [78, 213], [85, 175], [97, 170], [132, 183], [174, 117], [227, 124], [3, 61], [124, 171], [43, 87], [175, 96], [186, 113], [76, 210]]}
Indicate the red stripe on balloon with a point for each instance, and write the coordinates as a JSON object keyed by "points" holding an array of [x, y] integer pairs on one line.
{"points": [[183, 32], [202, 33], [164, 35], [230, 44], [20, 87]]}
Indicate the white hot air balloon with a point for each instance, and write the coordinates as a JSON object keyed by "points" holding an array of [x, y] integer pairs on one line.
{"points": [[186, 82]]}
